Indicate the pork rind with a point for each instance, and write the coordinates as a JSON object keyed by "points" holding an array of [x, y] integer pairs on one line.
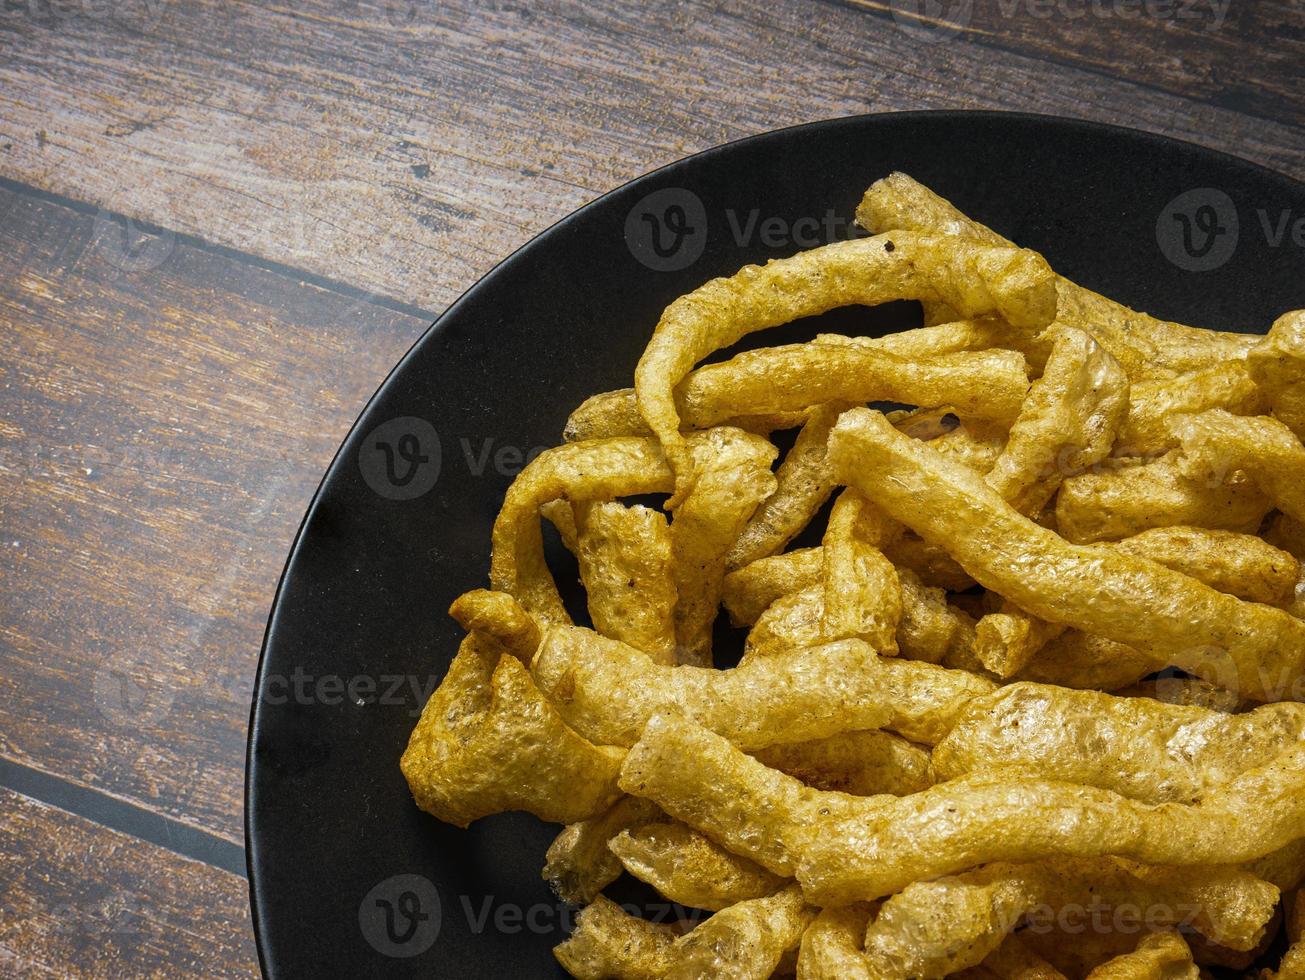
{"points": [[743, 942], [1159, 956], [599, 470], [627, 566], [1240, 564], [500, 621], [934, 928], [844, 848], [488, 742], [688, 868], [733, 478], [1153, 405], [1218, 447], [804, 483], [859, 763], [1138, 747], [832, 945], [1012, 960], [1277, 364], [1115, 503], [1068, 422], [1144, 346], [862, 593], [1006, 640], [1126, 599], [972, 278], [749, 590], [579, 863], [611, 414], [1086, 662], [608, 691]]}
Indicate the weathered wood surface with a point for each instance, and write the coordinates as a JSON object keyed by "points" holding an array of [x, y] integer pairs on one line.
{"points": [[162, 432], [79, 900], [405, 146]]}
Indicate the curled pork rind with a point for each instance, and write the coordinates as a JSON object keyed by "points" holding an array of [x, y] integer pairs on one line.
{"points": [[832, 945], [1240, 564], [743, 942], [1068, 422], [972, 278], [749, 590], [1277, 364], [859, 763], [934, 928], [688, 868], [844, 848], [487, 742], [579, 864], [1218, 447], [1126, 599], [608, 692], [1144, 749], [627, 567], [805, 482], [1110, 504], [1153, 405], [1144, 346], [862, 593], [1012, 960], [1159, 956]]}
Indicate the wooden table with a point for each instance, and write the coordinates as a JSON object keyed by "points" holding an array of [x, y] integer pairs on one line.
{"points": [[223, 223]]}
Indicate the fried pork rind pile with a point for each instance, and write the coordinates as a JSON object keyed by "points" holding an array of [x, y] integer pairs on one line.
{"points": [[1029, 706]]}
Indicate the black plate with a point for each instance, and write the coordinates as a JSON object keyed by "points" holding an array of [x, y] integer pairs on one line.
{"points": [[333, 836]]}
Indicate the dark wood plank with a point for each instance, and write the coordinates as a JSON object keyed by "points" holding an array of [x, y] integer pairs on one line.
{"points": [[78, 900], [162, 429], [405, 146], [1248, 57]]}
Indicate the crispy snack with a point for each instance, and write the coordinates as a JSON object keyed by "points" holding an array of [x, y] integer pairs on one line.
{"points": [[627, 567], [748, 591], [984, 385], [732, 480], [931, 628], [1239, 564], [974, 279], [599, 470], [1143, 749], [579, 863], [1123, 598], [949, 336], [933, 928], [843, 848], [1217, 445], [610, 944], [1012, 960], [499, 619], [1159, 956], [1086, 662], [931, 562], [792, 622], [686, 867], [1006, 640], [745, 941], [611, 414], [862, 593], [1155, 404], [1117, 503], [1144, 346], [805, 482], [1277, 363], [859, 763], [831, 946], [608, 691], [487, 742], [1068, 422]]}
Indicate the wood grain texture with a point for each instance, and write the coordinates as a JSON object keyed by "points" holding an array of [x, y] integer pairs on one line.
{"points": [[162, 430], [407, 146], [78, 900], [1248, 57]]}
